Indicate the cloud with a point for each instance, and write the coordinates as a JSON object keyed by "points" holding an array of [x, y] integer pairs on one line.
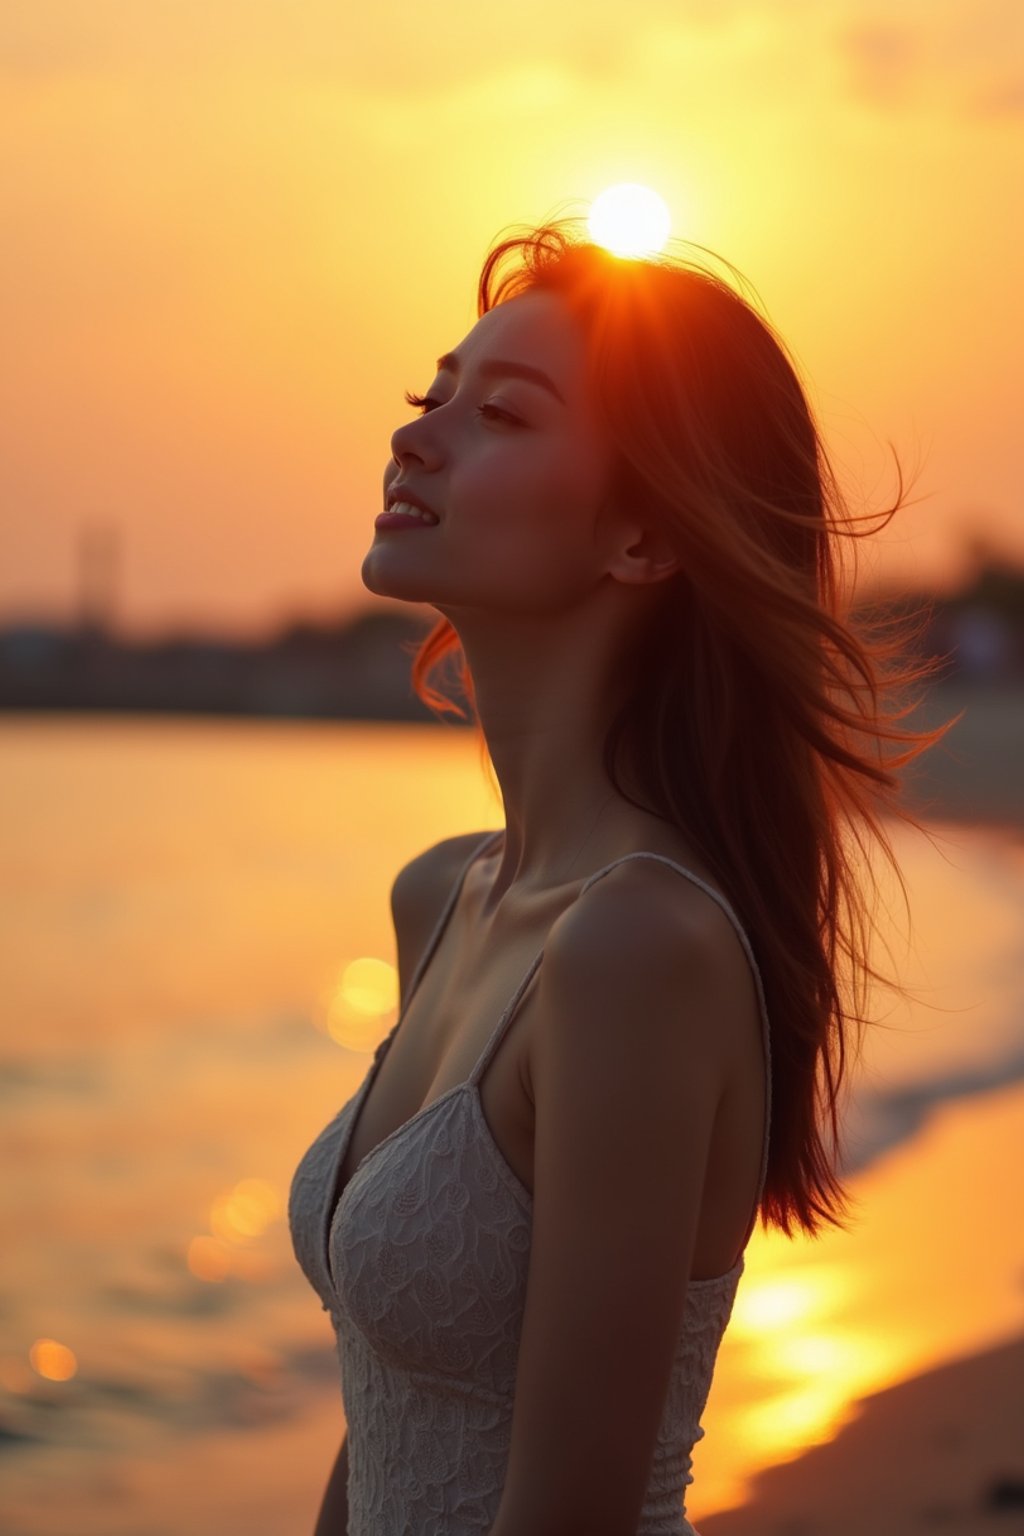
{"points": [[883, 62], [1000, 98], [945, 57], [40, 41]]}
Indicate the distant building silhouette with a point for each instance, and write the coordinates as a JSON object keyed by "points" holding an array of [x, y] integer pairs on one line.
{"points": [[358, 667], [98, 565]]}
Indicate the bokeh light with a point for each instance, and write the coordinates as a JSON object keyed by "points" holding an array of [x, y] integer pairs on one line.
{"points": [[208, 1258], [237, 1216], [52, 1360], [245, 1211], [357, 1005]]}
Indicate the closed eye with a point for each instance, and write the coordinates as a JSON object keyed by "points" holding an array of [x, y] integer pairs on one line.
{"points": [[425, 403]]}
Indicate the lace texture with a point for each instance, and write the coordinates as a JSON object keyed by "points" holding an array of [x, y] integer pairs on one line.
{"points": [[422, 1265]]}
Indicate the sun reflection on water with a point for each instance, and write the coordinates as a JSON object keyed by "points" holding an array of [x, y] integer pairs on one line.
{"points": [[783, 1427], [797, 1325], [237, 1217], [785, 1301], [245, 1211]]}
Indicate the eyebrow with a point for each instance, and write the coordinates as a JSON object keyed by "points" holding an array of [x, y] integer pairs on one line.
{"points": [[494, 366]]}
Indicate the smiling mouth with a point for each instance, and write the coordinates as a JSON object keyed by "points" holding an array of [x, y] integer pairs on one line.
{"points": [[405, 515]]}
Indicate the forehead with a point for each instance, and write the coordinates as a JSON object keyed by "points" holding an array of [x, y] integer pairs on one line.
{"points": [[531, 328]]}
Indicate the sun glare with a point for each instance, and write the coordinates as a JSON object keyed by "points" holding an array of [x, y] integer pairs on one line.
{"points": [[629, 220]]}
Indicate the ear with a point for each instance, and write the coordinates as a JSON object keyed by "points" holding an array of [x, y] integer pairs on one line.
{"points": [[644, 555]]}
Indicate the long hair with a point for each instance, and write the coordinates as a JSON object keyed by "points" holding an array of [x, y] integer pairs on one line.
{"points": [[762, 701]]}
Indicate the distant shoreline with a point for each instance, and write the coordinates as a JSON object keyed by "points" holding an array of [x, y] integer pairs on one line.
{"points": [[976, 773]]}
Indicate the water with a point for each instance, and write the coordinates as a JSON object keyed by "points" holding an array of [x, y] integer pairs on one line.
{"points": [[180, 902]]}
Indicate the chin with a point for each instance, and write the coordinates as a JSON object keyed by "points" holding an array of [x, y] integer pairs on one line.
{"points": [[391, 585]]}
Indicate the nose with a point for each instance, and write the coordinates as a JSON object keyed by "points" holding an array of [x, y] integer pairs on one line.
{"points": [[413, 440]]}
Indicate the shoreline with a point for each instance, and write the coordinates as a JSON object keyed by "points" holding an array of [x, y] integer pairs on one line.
{"points": [[941, 1449], [972, 775]]}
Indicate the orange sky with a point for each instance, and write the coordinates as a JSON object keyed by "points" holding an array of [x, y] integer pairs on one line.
{"points": [[236, 230]]}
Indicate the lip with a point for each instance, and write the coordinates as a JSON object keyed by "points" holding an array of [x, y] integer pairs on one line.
{"points": [[399, 492], [392, 519]]}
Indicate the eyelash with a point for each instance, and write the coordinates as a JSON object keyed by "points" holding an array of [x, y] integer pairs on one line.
{"points": [[421, 402]]}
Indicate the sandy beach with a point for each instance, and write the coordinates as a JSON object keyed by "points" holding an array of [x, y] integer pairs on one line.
{"points": [[943, 1451]]}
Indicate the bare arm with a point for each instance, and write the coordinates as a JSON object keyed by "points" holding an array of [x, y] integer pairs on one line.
{"points": [[333, 1519], [633, 1030]]}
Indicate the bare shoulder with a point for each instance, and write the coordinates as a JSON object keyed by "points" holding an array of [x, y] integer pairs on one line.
{"points": [[418, 894], [418, 883], [653, 959], [644, 897]]}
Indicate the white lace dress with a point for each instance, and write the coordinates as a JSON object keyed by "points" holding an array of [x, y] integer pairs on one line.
{"points": [[421, 1262]]}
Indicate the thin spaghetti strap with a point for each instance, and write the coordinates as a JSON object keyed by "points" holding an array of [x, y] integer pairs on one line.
{"points": [[503, 1023], [435, 937], [763, 1006]]}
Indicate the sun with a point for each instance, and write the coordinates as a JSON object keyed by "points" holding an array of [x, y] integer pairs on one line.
{"points": [[629, 220]]}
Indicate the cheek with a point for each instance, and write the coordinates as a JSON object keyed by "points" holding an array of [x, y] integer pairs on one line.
{"points": [[535, 551], [534, 476], [575, 481]]}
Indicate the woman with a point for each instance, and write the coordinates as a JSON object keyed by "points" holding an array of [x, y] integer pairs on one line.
{"points": [[528, 1225]]}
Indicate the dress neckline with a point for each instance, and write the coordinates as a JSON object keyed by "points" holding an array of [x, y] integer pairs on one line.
{"points": [[472, 1090]]}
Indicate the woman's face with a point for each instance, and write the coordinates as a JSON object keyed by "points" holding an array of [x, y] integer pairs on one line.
{"points": [[516, 470]]}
